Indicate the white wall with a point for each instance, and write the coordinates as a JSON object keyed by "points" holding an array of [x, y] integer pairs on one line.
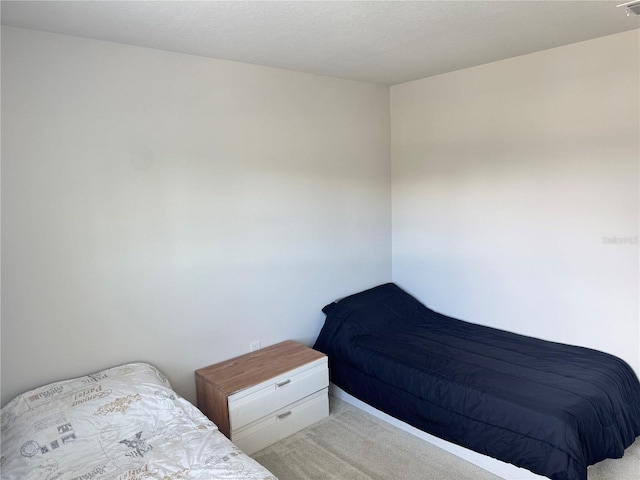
{"points": [[173, 209], [505, 179]]}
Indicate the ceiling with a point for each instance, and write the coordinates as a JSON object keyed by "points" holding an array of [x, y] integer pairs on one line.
{"points": [[385, 42]]}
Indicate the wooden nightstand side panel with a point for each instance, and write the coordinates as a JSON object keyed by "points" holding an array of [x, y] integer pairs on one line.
{"points": [[214, 404]]}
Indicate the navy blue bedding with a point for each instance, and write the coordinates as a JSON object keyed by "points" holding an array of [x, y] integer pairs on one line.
{"points": [[548, 407]]}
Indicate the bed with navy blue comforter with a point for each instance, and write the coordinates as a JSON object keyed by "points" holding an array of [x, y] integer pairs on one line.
{"points": [[548, 407]]}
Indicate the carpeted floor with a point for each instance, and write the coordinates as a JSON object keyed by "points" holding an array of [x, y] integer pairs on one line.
{"points": [[353, 445], [625, 468]]}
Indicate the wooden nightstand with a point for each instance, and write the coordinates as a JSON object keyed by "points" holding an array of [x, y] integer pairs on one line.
{"points": [[264, 396]]}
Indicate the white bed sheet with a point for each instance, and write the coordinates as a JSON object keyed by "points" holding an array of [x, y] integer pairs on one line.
{"points": [[124, 423]]}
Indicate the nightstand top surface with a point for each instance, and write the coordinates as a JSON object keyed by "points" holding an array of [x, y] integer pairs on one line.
{"points": [[249, 369]]}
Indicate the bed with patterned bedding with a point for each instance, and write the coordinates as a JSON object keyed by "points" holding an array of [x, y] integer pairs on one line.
{"points": [[123, 423]]}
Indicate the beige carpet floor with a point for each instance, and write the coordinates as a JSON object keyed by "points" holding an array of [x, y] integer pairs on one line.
{"points": [[353, 445], [625, 468]]}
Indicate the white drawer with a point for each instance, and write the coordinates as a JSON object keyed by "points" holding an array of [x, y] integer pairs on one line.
{"points": [[265, 398], [282, 423]]}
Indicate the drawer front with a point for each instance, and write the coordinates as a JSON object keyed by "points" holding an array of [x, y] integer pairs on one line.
{"points": [[282, 423], [263, 399]]}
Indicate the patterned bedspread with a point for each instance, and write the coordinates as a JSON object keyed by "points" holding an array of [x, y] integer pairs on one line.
{"points": [[124, 423]]}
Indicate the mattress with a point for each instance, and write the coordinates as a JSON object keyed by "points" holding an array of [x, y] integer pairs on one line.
{"points": [[123, 423], [548, 407]]}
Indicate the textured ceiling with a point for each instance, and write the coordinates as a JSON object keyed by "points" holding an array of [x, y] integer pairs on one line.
{"points": [[385, 42]]}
